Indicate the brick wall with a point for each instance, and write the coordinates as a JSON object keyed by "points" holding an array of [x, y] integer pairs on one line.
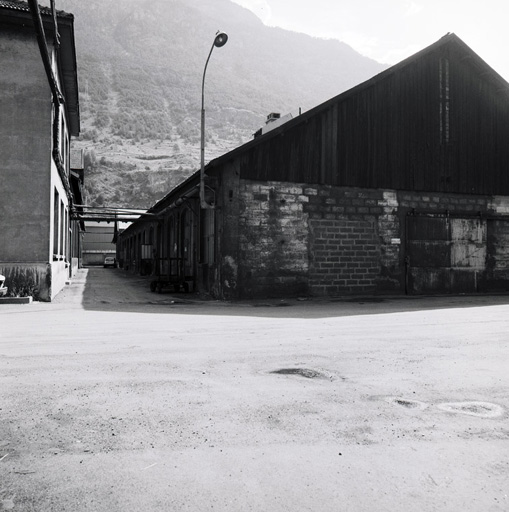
{"points": [[434, 202], [273, 239], [316, 240], [345, 240], [345, 256], [323, 240]]}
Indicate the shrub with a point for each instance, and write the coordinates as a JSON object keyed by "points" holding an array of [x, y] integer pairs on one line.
{"points": [[22, 282]]}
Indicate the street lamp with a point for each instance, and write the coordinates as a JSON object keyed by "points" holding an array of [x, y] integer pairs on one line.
{"points": [[219, 40]]}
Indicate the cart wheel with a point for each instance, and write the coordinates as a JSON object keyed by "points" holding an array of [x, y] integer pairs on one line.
{"points": [[159, 288], [153, 285]]}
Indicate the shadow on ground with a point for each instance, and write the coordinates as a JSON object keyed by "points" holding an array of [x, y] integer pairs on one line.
{"points": [[100, 289]]}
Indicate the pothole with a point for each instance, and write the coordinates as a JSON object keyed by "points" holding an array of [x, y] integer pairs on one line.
{"points": [[479, 409], [302, 372], [406, 402]]}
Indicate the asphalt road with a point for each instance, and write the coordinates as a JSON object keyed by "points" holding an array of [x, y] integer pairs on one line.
{"points": [[113, 398]]}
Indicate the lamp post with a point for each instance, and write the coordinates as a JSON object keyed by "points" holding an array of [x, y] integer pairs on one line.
{"points": [[219, 40]]}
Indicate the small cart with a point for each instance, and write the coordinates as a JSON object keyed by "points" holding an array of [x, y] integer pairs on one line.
{"points": [[170, 274]]}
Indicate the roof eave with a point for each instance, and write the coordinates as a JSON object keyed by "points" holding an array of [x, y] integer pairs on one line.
{"points": [[15, 13], [69, 71]]}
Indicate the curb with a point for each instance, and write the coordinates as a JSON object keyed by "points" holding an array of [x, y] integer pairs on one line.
{"points": [[15, 300]]}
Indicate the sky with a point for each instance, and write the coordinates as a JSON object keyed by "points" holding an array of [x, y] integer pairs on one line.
{"points": [[388, 31]]}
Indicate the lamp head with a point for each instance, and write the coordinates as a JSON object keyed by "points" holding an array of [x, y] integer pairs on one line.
{"points": [[220, 39]]}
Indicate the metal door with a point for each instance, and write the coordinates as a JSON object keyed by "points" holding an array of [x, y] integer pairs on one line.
{"points": [[445, 254]]}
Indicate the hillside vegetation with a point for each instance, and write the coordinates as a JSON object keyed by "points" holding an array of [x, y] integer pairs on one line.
{"points": [[140, 68]]}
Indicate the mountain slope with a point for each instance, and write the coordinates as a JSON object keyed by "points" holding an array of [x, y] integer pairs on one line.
{"points": [[140, 70]]}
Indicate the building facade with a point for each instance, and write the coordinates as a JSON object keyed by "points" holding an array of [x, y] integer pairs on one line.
{"points": [[399, 185], [40, 112], [98, 242]]}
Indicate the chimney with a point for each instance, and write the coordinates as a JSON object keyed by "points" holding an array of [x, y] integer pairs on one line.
{"points": [[273, 116], [274, 120]]}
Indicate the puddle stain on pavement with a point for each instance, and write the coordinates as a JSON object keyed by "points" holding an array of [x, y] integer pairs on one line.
{"points": [[479, 409], [408, 403], [307, 373], [471, 408]]}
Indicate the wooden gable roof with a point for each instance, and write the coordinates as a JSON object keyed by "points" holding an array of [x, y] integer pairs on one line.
{"points": [[388, 131]]}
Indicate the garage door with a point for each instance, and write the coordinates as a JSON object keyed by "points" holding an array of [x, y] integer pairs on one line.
{"points": [[445, 254], [497, 260]]}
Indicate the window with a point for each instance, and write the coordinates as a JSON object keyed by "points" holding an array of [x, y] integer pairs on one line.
{"points": [[56, 216], [61, 136], [444, 100], [62, 230], [67, 237]]}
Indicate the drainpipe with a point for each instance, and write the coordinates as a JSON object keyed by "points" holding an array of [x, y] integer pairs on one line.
{"points": [[55, 25], [58, 98], [43, 48]]}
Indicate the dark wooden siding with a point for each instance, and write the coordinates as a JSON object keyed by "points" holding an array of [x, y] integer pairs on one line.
{"points": [[389, 134], [480, 134]]}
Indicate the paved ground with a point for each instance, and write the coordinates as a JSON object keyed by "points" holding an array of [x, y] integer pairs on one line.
{"points": [[116, 399]]}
